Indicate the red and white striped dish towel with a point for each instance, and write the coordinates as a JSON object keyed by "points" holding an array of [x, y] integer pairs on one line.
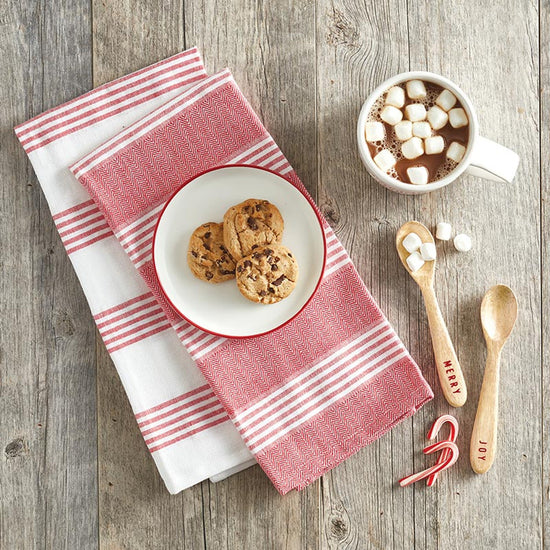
{"points": [[310, 394], [187, 431]]}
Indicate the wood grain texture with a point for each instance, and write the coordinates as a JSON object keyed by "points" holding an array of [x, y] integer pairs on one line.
{"points": [[544, 117], [306, 68], [48, 462]]}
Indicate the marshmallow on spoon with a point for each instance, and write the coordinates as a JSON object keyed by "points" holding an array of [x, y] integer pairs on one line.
{"points": [[415, 112], [456, 151], [422, 129], [412, 242], [437, 117], [463, 243], [412, 148], [392, 115], [443, 231], [374, 131], [446, 100], [458, 118], [434, 145], [415, 261], [428, 252], [418, 175], [395, 96], [416, 89], [385, 160], [403, 130]]}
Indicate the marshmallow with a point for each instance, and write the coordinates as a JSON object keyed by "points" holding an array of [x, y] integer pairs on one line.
{"points": [[412, 148], [415, 112], [412, 242], [422, 129], [463, 243], [416, 89], [428, 252], [392, 115], [418, 175], [385, 160], [443, 231], [374, 131], [434, 145], [395, 96], [446, 100], [403, 130], [415, 261], [437, 117], [456, 151], [458, 118]]}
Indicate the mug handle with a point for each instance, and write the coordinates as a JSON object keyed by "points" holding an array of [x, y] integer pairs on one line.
{"points": [[492, 161]]}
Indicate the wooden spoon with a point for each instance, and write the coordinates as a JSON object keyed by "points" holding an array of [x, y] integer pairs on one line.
{"points": [[499, 310], [446, 361]]}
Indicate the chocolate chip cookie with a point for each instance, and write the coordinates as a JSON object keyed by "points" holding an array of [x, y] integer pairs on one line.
{"points": [[252, 222], [267, 275], [207, 255]]}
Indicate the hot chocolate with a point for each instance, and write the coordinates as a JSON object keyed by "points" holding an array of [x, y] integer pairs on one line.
{"points": [[417, 132]]}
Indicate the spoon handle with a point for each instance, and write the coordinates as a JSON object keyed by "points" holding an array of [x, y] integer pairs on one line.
{"points": [[484, 435], [446, 362]]}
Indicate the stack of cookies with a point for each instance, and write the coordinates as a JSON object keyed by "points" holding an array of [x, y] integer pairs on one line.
{"points": [[246, 246]]}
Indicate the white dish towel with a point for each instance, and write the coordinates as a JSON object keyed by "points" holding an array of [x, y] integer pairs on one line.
{"points": [[186, 430]]}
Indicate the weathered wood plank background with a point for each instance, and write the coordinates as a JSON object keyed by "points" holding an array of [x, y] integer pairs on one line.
{"points": [[74, 471]]}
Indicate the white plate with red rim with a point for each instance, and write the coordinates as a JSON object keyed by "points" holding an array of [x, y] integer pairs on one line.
{"points": [[220, 308]]}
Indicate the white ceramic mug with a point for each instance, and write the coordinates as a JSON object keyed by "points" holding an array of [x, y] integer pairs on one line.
{"points": [[483, 157]]}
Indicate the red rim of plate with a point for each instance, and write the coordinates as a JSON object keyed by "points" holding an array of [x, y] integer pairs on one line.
{"points": [[311, 203]]}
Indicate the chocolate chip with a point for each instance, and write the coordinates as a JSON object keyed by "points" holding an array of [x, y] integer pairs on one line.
{"points": [[256, 255], [274, 267], [258, 207], [263, 292], [207, 235], [209, 275], [254, 246], [278, 281], [247, 263], [289, 255], [271, 289], [223, 249], [195, 255], [268, 251], [207, 247], [240, 269], [227, 271], [277, 259], [252, 223]]}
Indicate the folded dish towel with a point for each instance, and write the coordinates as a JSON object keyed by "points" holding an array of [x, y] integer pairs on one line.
{"points": [[301, 404], [187, 431]]}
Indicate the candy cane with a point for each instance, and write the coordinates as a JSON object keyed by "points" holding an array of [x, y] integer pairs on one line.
{"points": [[432, 434], [449, 448]]}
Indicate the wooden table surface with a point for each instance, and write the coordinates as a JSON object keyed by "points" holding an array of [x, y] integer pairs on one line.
{"points": [[74, 470]]}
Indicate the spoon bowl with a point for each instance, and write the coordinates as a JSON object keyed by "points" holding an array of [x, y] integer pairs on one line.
{"points": [[499, 310], [426, 273]]}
